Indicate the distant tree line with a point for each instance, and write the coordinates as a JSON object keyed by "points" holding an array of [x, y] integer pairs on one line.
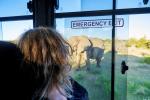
{"points": [[139, 43]]}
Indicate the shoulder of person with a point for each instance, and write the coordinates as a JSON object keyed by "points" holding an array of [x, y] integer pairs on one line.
{"points": [[79, 92]]}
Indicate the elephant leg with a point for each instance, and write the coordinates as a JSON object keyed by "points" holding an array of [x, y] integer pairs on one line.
{"points": [[98, 60], [79, 61], [88, 64]]}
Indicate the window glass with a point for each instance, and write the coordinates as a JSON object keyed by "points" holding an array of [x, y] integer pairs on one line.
{"points": [[83, 5], [131, 4], [11, 30], [132, 82], [90, 39], [13, 8], [138, 77], [121, 52]]}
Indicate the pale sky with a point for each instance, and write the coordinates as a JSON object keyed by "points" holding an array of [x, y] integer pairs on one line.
{"points": [[139, 26], [13, 29], [134, 25]]}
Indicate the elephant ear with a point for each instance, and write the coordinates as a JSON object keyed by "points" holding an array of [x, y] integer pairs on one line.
{"points": [[72, 41]]}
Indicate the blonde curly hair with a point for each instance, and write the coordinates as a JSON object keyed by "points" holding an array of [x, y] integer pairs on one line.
{"points": [[47, 48]]}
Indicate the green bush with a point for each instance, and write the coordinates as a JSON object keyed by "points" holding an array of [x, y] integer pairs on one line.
{"points": [[147, 85], [132, 86], [147, 59], [141, 43], [131, 42], [148, 44]]}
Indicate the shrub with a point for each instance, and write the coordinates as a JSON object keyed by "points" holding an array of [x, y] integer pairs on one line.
{"points": [[141, 43], [131, 42], [147, 59], [132, 86]]}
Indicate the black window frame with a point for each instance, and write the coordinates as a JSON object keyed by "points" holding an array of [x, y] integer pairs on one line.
{"points": [[113, 12]]}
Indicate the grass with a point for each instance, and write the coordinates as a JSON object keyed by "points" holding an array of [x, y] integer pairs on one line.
{"points": [[95, 81], [134, 85], [147, 59], [138, 79]]}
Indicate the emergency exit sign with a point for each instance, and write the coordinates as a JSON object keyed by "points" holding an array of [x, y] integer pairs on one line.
{"points": [[97, 23]]}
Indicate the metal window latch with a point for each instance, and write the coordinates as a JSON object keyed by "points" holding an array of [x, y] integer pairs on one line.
{"points": [[30, 6], [145, 2], [124, 67], [56, 4]]}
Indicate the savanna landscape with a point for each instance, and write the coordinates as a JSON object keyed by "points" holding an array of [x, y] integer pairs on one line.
{"points": [[133, 85]]}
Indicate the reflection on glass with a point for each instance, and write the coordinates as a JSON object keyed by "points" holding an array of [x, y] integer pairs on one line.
{"points": [[13, 8], [1, 33], [134, 49], [121, 55], [11, 30], [83, 5], [90, 39], [131, 4], [138, 78]]}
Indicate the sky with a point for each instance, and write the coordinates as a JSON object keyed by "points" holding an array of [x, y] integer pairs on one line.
{"points": [[134, 25], [139, 26]]}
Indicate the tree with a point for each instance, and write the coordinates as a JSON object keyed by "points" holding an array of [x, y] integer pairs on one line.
{"points": [[131, 42], [141, 43]]}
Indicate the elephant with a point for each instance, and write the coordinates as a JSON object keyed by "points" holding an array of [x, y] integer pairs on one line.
{"points": [[85, 49], [79, 44], [95, 51]]}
